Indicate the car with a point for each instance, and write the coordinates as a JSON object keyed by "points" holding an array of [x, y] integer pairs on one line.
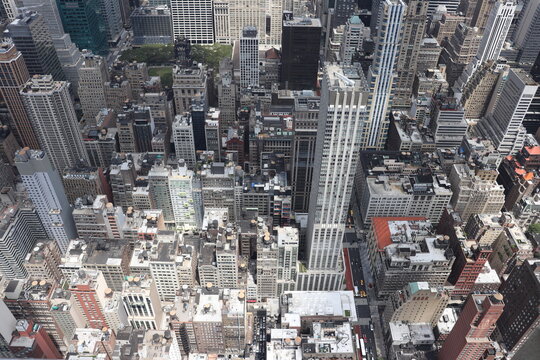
{"points": [[361, 282], [363, 293]]}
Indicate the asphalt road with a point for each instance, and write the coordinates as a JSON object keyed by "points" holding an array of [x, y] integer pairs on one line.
{"points": [[362, 310]]}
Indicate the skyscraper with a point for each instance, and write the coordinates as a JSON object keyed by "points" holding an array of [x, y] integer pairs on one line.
{"points": [[381, 75], [111, 12], [193, 19], [497, 27], [521, 315], [82, 21], [300, 46], [343, 10], [50, 109], [31, 36], [21, 229], [15, 76], [526, 37], [414, 24], [249, 57], [504, 124], [342, 112], [92, 75], [353, 38], [470, 336], [68, 54], [45, 189]]}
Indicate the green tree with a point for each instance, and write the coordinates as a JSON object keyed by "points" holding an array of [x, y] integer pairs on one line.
{"points": [[534, 228], [211, 55], [151, 54]]}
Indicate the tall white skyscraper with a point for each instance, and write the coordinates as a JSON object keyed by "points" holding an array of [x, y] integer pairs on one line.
{"points": [[344, 97], [497, 27], [50, 109], [182, 134], [193, 19], [382, 74], [503, 125], [249, 57], [45, 189]]}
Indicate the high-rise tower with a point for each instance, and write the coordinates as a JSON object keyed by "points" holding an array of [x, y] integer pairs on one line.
{"points": [[31, 36], [381, 75], [193, 19], [414, 24], [470, 336], [342, 113], [50, 109], [249, 57], [15, 76], [45, 189]]}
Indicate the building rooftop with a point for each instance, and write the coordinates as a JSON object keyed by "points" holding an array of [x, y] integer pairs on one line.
{"points": [[390, 230], [320, 303]]}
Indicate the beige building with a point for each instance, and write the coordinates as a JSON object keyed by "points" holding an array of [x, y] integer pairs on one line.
{"points": [[43, 261], [188, 84], [92, 75], [416, 303]]}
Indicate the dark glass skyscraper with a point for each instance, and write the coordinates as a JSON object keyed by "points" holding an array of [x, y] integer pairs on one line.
{"points": [[82, 21], [31, 37], [301, 43]]}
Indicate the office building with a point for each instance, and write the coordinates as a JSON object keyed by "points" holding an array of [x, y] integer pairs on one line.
{"points": [[50, 108], [84, 181], [404, 250], [526, 35], [141, 302], [188, 84], [158, 187], [343, 10], [249, 57], [68, 54], [43, 261], [503, 125], [208, 323], [32, 299], [227, 89], [12, 65], [137, 75], [21, 229], [193, 19], [117, 92], [122, 177], [414, 23], [92, 75], [151, 25], [381, 76], [497, 27], [135, 128], [31, 37], [97, 219], [46, 191], [82, 21], [451, 6], [470, 336], [338, 143], [231, 16], [112, 18], [88, 289], [182, 134], [447, 122], [218, 187], [306, 115], [31, 340], [300, 47], [353, 39], [520, 318], [418, 302], [181, 183], [460, 50], [100, 146]]}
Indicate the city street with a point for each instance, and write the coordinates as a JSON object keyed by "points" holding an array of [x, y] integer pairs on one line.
{"points": [[366, 304]]}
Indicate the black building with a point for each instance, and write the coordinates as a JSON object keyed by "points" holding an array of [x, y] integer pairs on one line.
{"points": [[198, 121], [343, 10], [521, 313], [151, 25], [301, 42], [32, 38]]}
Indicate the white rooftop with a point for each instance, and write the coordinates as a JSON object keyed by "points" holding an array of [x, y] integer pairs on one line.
{"points": [[322, 303]]}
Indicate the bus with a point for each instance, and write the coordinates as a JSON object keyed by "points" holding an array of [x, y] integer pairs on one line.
{"points": [[363, 349]]}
